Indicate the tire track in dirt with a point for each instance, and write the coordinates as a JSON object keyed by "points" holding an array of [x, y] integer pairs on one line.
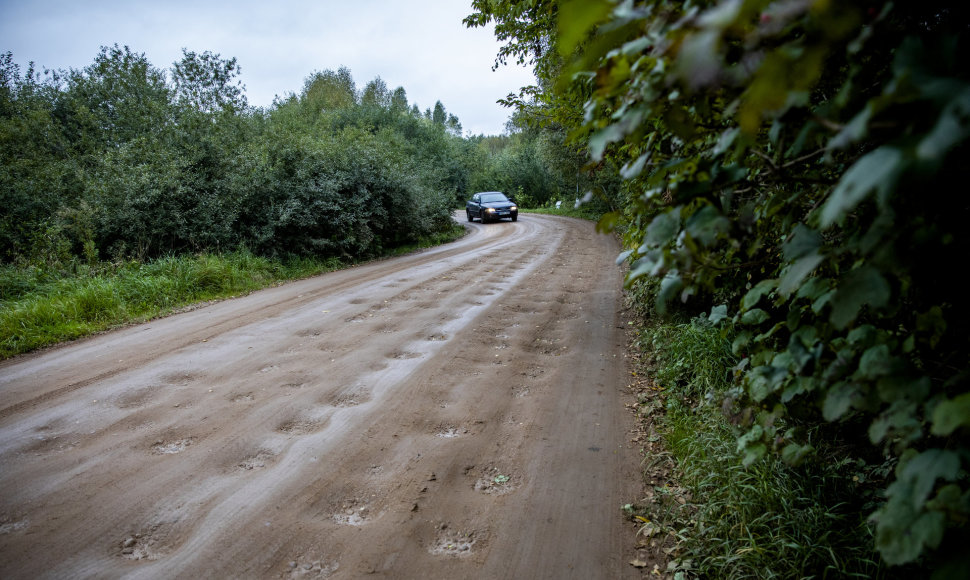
{"points": [[452, 413]]}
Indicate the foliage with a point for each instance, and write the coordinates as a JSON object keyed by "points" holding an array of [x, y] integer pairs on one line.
{"points": [[776, 158], [124, 160], [207, 83]]}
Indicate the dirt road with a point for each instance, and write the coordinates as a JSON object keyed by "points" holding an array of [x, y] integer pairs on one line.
{"points": [[456, 413]]}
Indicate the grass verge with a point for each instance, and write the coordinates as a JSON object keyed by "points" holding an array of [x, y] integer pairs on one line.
{"points": [[40, 307], [585, 212], [706, 513]]}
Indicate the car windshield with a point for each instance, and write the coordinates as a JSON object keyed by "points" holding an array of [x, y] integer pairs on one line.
{"points": [[494, 197]]}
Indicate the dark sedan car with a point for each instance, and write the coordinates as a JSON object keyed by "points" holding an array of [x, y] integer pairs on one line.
{"points": [[491, 205]]}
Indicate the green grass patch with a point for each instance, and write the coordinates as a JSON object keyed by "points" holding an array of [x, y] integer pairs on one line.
{"points": [[39, 308], [450, 234], [585, 212], [768, 520], [43, 306]]}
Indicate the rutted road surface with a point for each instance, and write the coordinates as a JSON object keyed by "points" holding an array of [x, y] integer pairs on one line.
{"points": [[455, 413]]}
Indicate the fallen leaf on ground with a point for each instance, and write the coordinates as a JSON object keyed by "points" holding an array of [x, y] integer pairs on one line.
{"points": [[638, 563]]}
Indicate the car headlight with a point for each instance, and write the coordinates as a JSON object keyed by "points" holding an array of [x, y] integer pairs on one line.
{"points": [[490, 210], [513, 208]]}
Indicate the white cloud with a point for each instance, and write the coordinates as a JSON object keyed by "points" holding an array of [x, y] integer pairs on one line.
{"points": [[420, 45]]}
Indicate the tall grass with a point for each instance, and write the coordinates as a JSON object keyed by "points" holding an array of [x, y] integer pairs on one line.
{"points": [[40, 307], [768, 520]]}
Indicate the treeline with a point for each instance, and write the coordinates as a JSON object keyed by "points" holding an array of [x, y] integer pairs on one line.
{"points": [[123, 160], [792, 203]]}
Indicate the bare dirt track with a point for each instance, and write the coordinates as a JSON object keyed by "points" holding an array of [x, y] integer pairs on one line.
{"points": [[455, 413]]}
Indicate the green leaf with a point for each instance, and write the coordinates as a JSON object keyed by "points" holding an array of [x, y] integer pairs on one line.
{"points": [[576, 18], [905, 525], [853, 131], [901, 535], [861, 335], [751, 445], [599, 140], [753, 453], [724, 142], [804, 240], [718, 313], [663, 227], [950, 415], [608, 222], [754, 295], [765, 380], [875, 362], [797, 387], [631, 170], [669, 287], [860, 287], [951, 128], [796, 272], [615, 132], [897, 387], [877, 171], [707, 224], [647, 264], [755, 316], [922, 471], [741, 341], [795, 454], [814, 288], [839, 400]]}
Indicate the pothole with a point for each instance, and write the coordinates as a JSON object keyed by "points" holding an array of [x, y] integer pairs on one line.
{"points": [[353, 512], [170, 447], [495, 481], [143, 546], [135, 397], [10, 525], [453, 542], [314, 568], [351, 399], [256, 461], [450, 432], [299, 426]]}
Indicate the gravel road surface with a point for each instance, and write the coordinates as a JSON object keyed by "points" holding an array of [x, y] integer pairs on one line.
{"points": [[454, 413]]}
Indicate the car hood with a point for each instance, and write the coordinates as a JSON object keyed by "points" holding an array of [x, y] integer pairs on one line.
{"points": [[497, 204]]}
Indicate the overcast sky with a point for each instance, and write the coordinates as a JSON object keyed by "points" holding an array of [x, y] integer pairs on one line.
{"points": [[420, 45]]}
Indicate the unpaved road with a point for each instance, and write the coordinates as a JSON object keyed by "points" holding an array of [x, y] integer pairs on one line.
{"points": [[456, 413]]}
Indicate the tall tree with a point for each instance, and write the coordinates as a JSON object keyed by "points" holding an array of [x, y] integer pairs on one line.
{"points": [[399, 100], [439, 116], [329, 90], [208, 83], [375, 94]]}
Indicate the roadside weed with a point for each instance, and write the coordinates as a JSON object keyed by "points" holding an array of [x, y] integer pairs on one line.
{"points": [[767, 520]]}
